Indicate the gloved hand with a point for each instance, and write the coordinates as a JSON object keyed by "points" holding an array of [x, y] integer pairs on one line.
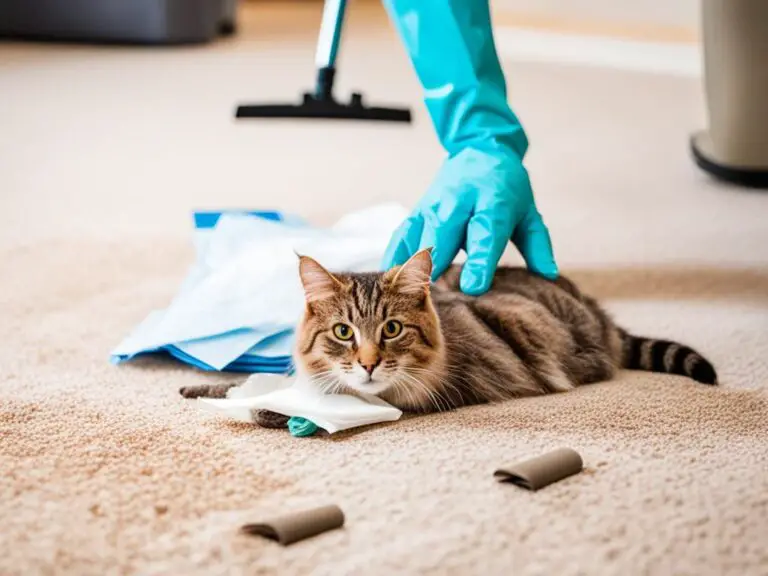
{"points": [[482, 196], [479, 201]]}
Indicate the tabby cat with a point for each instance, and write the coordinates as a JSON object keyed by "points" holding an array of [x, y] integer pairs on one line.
{"points": [[427, 347]]}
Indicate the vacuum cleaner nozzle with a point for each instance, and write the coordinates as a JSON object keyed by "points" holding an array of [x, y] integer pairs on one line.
{"points": [[327, 107], [322, 104]]}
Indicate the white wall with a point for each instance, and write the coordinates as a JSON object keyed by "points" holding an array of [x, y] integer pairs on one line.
{"points": [[678, 13]]}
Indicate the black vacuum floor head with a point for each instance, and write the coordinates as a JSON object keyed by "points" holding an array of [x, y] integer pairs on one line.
{"points": [[329, 108]]}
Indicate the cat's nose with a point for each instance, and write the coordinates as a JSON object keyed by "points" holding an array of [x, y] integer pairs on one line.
{"points": [[370, 366]]}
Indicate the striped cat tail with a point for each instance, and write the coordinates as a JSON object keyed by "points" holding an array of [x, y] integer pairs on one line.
{"points": [[654, 355]]}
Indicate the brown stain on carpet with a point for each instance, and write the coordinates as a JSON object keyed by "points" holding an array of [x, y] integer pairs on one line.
{"points": [[129, 482], [84, 448]]}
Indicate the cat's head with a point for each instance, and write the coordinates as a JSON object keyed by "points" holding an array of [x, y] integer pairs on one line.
{"points": [[371, 332]]}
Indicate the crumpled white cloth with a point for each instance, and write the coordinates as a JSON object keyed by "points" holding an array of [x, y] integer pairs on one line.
{"points": [[293, 397]]}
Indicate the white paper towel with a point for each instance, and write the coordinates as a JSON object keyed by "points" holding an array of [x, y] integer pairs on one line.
{"points": [[292, 397]]}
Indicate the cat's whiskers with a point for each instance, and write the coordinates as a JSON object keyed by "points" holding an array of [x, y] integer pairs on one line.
{"points": [[450, 384], [321, 376], [326, 381], [445, 390], [331, 387], [445, 368], [411, 384], [325, 385], [445, 383], [439, 402], [404, 390]]}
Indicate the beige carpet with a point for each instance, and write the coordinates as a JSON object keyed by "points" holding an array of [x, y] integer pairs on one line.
{"points": [[106, 470]]}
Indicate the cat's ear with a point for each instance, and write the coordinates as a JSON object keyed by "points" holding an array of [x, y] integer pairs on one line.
{"points": [[414, 276], [319, 284]]}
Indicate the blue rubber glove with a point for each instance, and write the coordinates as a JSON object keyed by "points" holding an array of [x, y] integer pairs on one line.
{"points": [[482, 197], [301, 427]]}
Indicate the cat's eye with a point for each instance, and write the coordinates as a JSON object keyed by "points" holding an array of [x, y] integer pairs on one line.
{"points": [[392, 329], [343, 332]]}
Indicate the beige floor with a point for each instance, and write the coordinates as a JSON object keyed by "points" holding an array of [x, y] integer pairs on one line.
{"points": [[106, 470]]}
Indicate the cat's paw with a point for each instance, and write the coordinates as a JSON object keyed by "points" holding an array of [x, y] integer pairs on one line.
{"points": [[193, 391], [206, 391], [269, 419]]}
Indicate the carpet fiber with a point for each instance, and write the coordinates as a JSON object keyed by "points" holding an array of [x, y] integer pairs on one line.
{"points": [[107, 470]]}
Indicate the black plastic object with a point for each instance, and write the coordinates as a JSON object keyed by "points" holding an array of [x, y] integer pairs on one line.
{"points": [[322, 104], [748, 178], [156, 22]]}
